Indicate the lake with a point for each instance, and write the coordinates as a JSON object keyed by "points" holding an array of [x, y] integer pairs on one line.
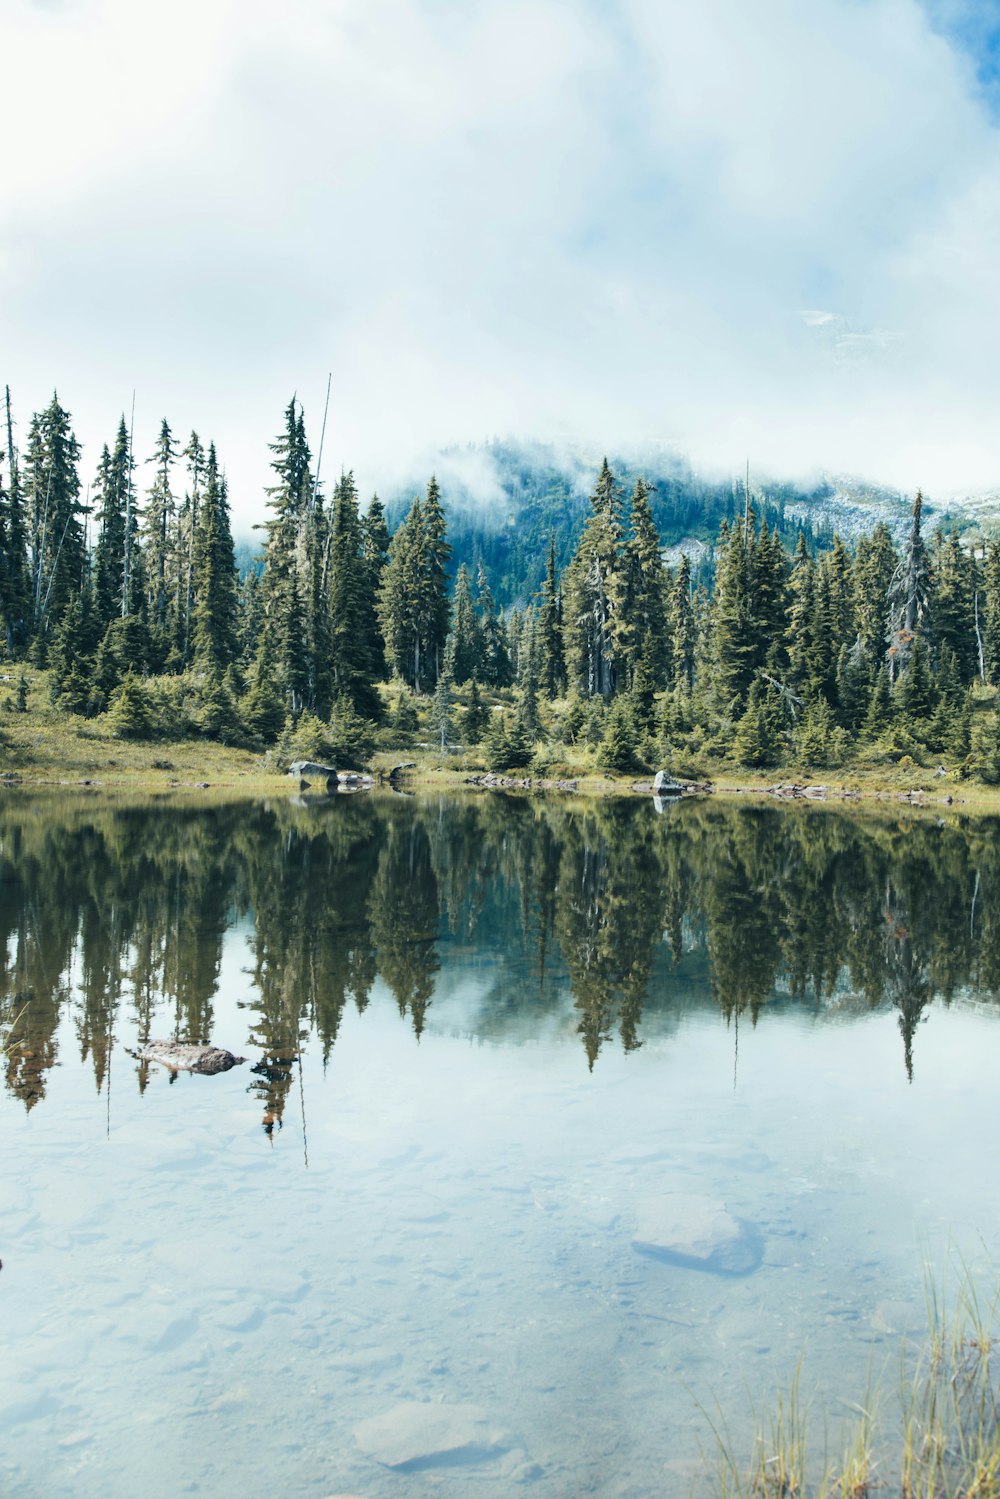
{"points": [[394, 1253]]}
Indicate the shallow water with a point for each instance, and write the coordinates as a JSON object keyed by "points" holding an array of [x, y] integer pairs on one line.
{"points": [[478, 1036]]}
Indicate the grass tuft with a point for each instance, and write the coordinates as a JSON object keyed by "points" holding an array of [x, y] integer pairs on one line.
{"points": [[948, 1438]]}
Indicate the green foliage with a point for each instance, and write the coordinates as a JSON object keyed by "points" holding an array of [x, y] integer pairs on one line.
{"points": [[403, 715], [817, 739], [305, 737], [506, 745], [217, 716], [261, 707], [619, 746], [476, 715], [869, 647], [759, 737], [129, 713], [351, 738]]}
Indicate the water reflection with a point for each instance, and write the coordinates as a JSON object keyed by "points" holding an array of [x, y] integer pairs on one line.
{"points": [[113, 910]]}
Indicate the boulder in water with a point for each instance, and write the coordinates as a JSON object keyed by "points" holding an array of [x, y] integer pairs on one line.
{"points": [[422, 1434], [699, 1233]]}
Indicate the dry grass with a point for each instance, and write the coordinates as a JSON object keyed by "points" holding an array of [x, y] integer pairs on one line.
{"points": [[949, 1441]]}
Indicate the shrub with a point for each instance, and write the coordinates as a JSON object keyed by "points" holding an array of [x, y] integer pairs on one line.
{"points": [[129, 712], [619, 744]]}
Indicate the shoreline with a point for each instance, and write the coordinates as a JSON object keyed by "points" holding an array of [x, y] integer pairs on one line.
{"points": [[239, 773]]}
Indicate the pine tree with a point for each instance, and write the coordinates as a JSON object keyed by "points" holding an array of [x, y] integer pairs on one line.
{"points": [[953, 575], [15, 586], [801, 619], [262, 708], [915, 692], [352, 627], [682, 626], [736, 636], [908, 596], [465, 644], [497, 669], [853, 686], [286, 570], [594, 626], [187, 525], [618, 749], [476, 715], [113, 595], [398, 594], [131, 717], [52, 493], [442, 711], [550, 632], [158, 526], [434, 609], [214, 575], [881, 711], [991, 612], [875, 563], [376, 550], [646, 634], [758, 739]]}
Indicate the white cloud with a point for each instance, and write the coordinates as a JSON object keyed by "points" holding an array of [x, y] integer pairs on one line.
{"points": [[551, 218]]}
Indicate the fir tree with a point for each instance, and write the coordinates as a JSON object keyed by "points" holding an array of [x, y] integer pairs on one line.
{"points": [[619, 746], [465, 644], [550, 634], [881, 711], [187, 525], [497, 669], [875, 565], [131, 717], [442, 711], [399, 592], [915, 692], [214, 575], [15, 586], [953, 574], [646, 635], [376, 550], [434, 609], [52, 491], [352, 629], [476, 715], [594, 627], [908, 596], [158, 525], [682, 626]]}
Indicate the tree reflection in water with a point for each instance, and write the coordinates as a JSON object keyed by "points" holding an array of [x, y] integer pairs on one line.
{"points": [[105, 906]]}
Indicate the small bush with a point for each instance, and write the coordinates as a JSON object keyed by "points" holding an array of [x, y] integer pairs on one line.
{"points": [[129, 712]]}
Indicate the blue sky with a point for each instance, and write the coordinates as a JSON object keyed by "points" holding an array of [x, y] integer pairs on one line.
{"points": [[764, 230], [973, 27]]}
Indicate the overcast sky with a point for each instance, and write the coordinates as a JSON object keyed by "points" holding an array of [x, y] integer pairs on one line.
{"points": [[766, 229]]}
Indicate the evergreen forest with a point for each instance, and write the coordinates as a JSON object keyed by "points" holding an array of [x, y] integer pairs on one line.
{"points": [[354, 629]]}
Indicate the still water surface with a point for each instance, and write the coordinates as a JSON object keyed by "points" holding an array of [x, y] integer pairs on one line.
{"points": [[479, 1035]]}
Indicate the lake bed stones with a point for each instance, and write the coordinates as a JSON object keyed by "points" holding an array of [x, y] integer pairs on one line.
{"points": [[424, 1434], [697, 1233]]}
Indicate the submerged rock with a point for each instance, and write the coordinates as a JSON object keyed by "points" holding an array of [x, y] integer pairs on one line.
{"points": [[700, 1233], [181, 1058], [421, 1434]]}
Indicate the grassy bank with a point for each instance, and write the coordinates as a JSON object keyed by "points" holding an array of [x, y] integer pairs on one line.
{"points": [[43, 745], [938, 1437]]}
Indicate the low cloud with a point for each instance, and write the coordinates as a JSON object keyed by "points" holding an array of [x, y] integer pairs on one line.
{"points": [[764, 231]]}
